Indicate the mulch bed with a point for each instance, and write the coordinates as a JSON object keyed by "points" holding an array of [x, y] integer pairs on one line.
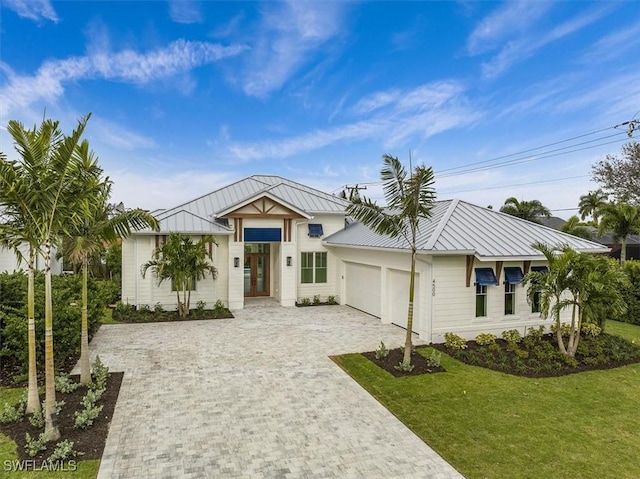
{"points": [[420, 365], [170, 316], [88, 443], [476, 355]]}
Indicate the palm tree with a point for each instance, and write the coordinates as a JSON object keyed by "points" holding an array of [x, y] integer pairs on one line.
{"points": [[410, 198], [527, 210], [57, 183], [549, 286], [89, 237], [184, 263], [13, 234], [575, 227], [591, 204], [621, 220]]}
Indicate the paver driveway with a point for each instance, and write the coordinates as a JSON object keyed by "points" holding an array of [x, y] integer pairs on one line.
{"points": [[254, 396]]}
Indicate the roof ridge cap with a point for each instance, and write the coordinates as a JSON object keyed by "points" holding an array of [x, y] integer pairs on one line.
{"points": [[441, 225]]}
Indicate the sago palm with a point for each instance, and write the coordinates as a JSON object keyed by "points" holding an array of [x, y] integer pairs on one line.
{"points": [[410, 198]]}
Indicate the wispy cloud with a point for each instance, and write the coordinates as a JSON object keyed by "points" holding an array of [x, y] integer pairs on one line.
{"points": [[288, 35], [185, 11], [423, 112], [36, 10], [126, 66], [509, 19], [119, 137], [525, 46], [613, 45]]}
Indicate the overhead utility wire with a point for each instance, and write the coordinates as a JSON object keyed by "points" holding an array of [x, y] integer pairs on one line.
{"points": [[530, 149], [531, 158], [516, 184]]}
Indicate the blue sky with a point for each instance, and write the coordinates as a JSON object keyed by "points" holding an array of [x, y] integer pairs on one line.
{"points": [[189, 96]]}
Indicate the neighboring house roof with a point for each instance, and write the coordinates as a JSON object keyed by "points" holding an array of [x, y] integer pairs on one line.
{"points": [[552, 222], [199, 215], [458, 227], [606, 239]]}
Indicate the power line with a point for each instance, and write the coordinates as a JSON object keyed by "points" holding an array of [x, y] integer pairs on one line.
{"points": [[517, 184]]}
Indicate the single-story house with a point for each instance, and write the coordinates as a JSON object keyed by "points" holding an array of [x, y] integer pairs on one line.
{"points": [[281, 239]]}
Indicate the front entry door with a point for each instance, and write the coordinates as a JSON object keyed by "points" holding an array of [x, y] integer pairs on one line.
{"points": [[256, 274]]}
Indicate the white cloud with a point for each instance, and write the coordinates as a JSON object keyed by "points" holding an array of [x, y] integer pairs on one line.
{"points": [[526, 45], [423, 111], [35, 10], [119, 137], [289, 33], [510, 18], [613, 45], [153, 191], [185, 11], [127, 66]]}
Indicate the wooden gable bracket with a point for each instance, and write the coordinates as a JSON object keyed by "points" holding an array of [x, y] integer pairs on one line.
{"points": [[526, 266], [470, 260], [498, 270]]}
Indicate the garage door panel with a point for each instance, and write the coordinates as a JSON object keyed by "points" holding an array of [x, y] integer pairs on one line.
{"points": [[398, 291], [363, 284]]}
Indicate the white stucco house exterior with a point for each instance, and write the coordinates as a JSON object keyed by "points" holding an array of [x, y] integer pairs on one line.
{"points": [[281, 239]]}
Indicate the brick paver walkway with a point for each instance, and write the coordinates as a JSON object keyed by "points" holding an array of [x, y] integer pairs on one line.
{"points": [[255, 396]]}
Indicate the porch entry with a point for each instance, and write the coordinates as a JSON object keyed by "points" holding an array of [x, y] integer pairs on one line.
{"points": [[256, 269]]}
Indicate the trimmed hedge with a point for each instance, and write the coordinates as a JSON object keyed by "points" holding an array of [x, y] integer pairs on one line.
{"points": [[66, 295]]}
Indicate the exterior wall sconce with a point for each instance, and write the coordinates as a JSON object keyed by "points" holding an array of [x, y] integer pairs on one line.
{"points": [[288, 260], [236, 262]]}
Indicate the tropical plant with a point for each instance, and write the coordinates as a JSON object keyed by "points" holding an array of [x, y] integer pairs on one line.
{"points": [[575, 227], [621, 220], [527, 210], [183, 262], [620, 176], [50, 183], [591, 204], [581, 282], [89, 237], [410, 198]]}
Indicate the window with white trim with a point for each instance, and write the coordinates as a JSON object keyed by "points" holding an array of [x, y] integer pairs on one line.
{"points": [[313, 267], [509, 298], [481, 300]]}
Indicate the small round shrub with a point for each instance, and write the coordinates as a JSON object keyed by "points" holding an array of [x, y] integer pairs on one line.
{"points": [[485, 339], [565, 329], [453, 341], [590, 329], [512, 336]]}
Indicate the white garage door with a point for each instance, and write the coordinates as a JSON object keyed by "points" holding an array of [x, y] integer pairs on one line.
{"points": [[398, 290], [363, 287]]}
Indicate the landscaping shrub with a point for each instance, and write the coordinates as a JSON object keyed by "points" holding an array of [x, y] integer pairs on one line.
{"points": [[590, 329], [382, 351], [453, 341], [484, 339], [109, 290], [512, 336], [66, 295]]}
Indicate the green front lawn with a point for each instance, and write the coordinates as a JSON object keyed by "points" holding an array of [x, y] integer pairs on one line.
{"points": [[625, 330], [492, 425]]}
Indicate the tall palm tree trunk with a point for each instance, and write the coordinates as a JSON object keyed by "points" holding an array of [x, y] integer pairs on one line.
{"points": [[623, 250], [407, 343], [50, 427], [33, 399], [85, 365]]}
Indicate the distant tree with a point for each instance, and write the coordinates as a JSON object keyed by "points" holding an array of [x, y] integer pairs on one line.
{"points": [[621, 220], [620, 176], [527, 210], [184, 263], [591, 204], [410, 198], [575, 227]]}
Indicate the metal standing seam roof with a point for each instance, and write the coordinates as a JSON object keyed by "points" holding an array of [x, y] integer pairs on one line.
{"points": [[302, 197], [187, 222], [463, 228]]}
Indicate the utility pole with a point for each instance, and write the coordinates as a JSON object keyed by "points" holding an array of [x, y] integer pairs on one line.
{"points": [[354, 191]]}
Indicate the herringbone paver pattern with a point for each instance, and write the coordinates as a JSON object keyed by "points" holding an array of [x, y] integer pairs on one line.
{"points": [[255, 396]]}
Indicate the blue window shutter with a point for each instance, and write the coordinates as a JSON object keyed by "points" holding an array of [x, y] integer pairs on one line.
{"points": [[315, 230], [262, 235], [513, 275], [485, 277]]}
